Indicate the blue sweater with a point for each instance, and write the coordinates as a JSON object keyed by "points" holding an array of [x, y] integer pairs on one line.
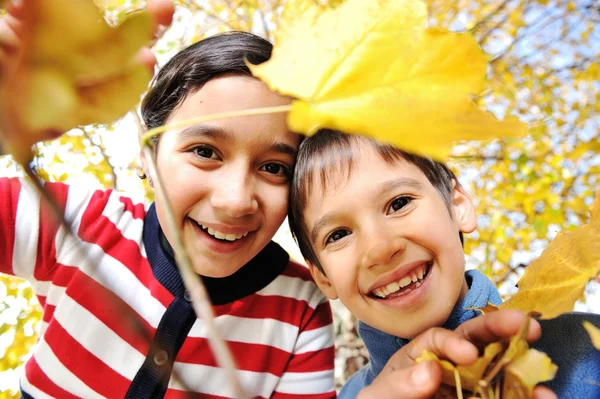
{"points": [[563, 339]]}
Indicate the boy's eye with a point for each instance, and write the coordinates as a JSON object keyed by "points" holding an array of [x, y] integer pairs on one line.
{"points": [[204, 152], [337, 235], [276, 169], [399, 203]]}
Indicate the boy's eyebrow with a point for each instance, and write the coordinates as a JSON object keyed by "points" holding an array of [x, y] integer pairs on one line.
{"points": [[321, 223], [216, 132], [391, 185], [383, 190]]}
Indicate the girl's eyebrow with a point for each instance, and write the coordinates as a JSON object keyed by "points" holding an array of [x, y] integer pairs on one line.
{"points": [[215, 132], [193, 132]]}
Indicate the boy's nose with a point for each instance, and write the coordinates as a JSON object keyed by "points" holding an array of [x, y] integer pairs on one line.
{"points": [[382, 248], [234, 197]]}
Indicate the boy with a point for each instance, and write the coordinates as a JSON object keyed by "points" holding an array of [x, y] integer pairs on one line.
{"points": [[381, 230]]}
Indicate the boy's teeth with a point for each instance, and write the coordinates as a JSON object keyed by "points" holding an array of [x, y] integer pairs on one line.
{"points": [[223, 236], [404, 281], [416, 276]]}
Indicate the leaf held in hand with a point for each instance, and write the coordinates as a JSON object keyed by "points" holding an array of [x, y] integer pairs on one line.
{"points": [[74, 69], [503, 371], [489, 308], [594, 333], [371, 67], [524, 373], [556, 280]]}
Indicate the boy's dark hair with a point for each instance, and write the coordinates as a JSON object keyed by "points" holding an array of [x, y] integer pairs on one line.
{"points": [[329, 153], [192, 67]]}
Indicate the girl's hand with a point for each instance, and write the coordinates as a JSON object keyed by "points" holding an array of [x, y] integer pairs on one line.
{"points": [[11, 28], [402, 377], [12, 38]]}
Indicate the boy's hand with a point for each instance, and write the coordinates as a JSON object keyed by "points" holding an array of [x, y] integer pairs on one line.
{"points": [[402, 377]]}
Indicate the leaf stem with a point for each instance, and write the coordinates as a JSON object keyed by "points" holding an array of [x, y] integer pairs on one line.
{"points": [[191, 280], [222, 115]]}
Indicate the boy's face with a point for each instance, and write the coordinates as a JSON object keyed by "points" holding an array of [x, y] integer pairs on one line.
{"points": [[227, 180], [385, 227]]}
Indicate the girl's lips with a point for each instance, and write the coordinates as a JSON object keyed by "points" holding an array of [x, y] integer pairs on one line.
{"points": [[217, 245]]}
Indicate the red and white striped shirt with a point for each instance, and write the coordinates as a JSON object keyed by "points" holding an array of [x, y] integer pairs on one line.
{"points": [[95, 288]]}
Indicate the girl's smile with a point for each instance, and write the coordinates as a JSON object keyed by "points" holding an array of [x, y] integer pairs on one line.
{"points": [[227, 180]]}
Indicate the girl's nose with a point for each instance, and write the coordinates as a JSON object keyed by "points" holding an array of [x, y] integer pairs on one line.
{"points": [[234, 196]]}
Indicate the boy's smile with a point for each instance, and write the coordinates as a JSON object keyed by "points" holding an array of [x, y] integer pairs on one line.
{"points": [[388, 243], [227, 180], [406, 279]]}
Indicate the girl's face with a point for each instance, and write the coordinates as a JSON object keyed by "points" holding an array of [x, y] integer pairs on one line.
{"points": [[227, 180]]}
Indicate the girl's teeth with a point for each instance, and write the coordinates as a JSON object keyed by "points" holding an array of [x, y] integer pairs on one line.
{"points": [[414, 277], [223, 236]]}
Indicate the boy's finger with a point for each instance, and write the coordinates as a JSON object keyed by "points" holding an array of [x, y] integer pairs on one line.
{"points": [[443, 343], [419, 381], [543, 393], [497, 326]]}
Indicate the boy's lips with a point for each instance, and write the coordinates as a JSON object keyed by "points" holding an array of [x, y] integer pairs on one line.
{"points": [[400, 273]]}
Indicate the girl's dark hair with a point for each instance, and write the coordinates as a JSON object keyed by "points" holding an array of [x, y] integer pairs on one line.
{"points": [[191, 68]]}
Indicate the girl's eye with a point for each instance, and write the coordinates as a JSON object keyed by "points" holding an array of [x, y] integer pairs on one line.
{"points": [[399, 203], [276, 169], [336, 236], [204, 152]]}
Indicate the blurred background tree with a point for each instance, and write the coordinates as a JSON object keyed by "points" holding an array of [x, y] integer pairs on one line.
{"points": [[543, 67]]}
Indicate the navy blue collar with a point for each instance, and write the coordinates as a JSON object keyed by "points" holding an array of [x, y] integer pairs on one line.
{"points": [[252, 277]]}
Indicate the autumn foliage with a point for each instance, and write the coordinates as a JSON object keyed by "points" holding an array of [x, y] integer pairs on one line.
{"points": [[532, 59]]}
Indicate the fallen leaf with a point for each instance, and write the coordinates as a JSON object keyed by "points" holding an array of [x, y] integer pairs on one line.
{"points": [[524, 373], [594, 333], [489, 308], [556, 280], [507, 371], [371, 67], [74, 70]]}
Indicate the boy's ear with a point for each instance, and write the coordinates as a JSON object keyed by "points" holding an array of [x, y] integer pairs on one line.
{"points": [[322, 282], [464, 211]]}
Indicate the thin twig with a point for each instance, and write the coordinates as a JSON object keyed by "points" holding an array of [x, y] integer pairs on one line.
{"points": [[191, 280], [223, 115]]}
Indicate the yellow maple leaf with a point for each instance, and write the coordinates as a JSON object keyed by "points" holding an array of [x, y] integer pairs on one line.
{"points": [[74, 69], [594, 333], [489, 308], [371, 67], [524, 373], [556, 280]]}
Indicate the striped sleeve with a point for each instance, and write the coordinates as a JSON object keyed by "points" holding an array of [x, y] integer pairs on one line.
{"points": [[309, 374], [28, 230]]}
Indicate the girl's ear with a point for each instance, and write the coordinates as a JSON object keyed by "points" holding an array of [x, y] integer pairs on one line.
{"points": [[464, 211], [322, 282]]}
